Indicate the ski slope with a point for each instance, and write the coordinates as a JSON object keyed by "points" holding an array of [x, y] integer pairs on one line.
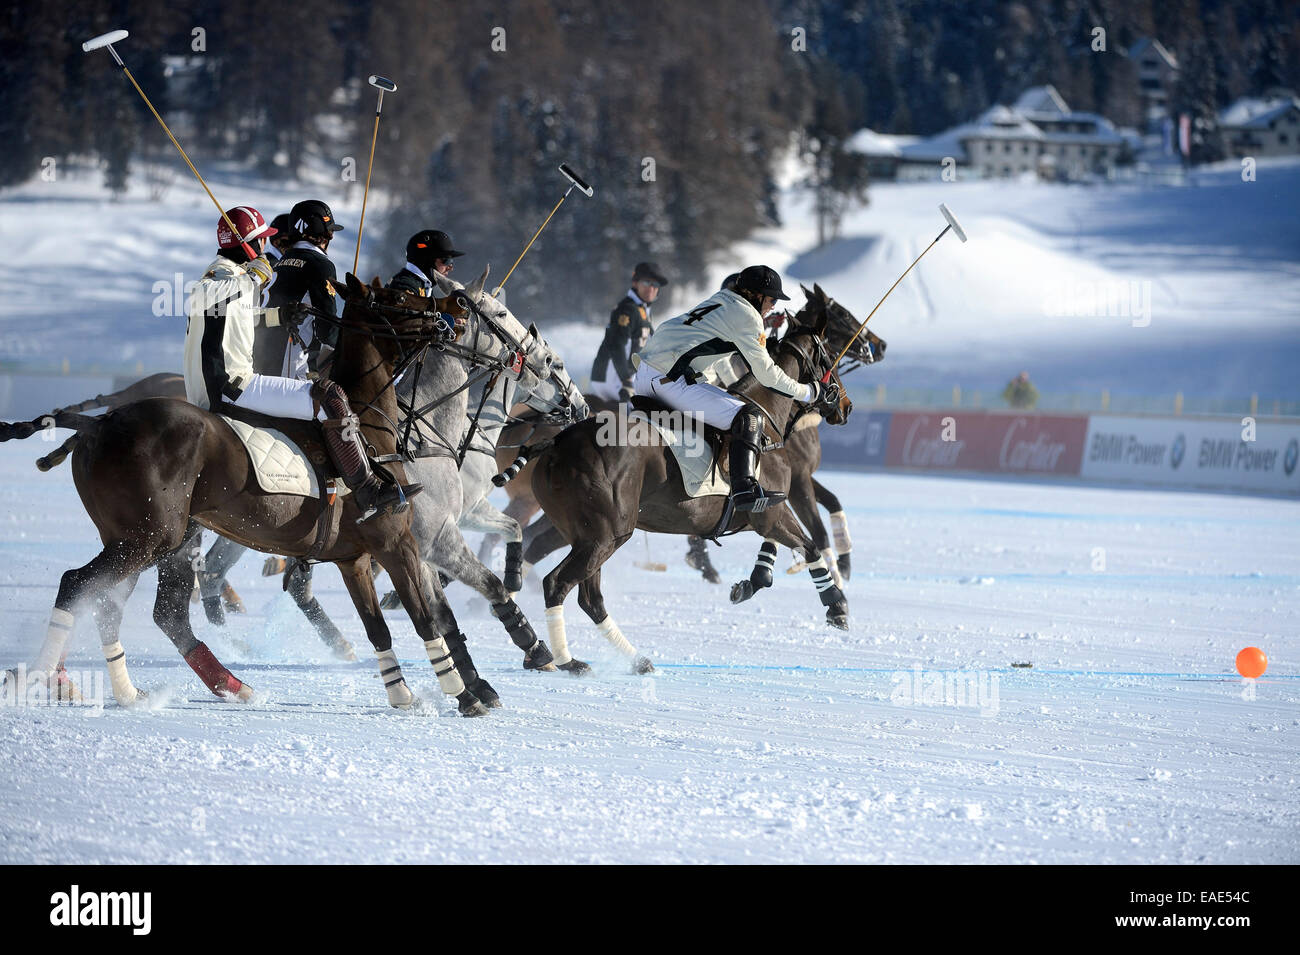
{"points": [[763, 735]]}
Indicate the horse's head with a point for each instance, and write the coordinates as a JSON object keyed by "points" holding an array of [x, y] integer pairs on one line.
{"points": [[866, 349], [541, 380], [397, 324], [808, 342]]}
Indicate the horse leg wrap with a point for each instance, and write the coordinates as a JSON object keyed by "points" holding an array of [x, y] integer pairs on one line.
{"points": [[840, 530], [761, 575], [609, 630], [556, 634], [828, 558], [214, 675], [508, 475], [399, 694], [56, 639], [516, 624], [826, 589], [449, 678], [514, 575], [469, 674], [123, 690]]}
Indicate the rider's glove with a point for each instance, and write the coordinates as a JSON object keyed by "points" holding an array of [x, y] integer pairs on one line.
{"points": [[826, 395]]}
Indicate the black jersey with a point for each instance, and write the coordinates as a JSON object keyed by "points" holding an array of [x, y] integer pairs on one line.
{"points": [[628, 331], [303, 274]]}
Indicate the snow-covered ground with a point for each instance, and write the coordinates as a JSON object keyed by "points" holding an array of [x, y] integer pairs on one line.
{"points": [[763, 735]]}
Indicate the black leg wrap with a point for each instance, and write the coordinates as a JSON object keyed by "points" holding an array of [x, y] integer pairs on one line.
{"points": [[761, 575], [468, 672], [844, 565], [514, 575], [831, 596], [516, 624]]}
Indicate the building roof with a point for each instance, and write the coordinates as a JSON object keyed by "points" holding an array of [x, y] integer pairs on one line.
{"points": [[868, 142], [1251, 112], [1034, 117], [1145, 43]]}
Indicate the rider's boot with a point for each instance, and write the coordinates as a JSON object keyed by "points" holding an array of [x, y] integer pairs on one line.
{"points": [[746, 439], [343, 442]]}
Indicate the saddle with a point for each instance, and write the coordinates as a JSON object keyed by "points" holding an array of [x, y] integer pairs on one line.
{"points": [[276, 466]]}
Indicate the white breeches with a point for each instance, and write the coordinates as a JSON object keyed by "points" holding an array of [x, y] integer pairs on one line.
{"points": [[278, 397], [707, 402]]}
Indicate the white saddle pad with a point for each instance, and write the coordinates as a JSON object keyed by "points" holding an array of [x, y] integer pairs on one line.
{"points": [[280, 465], [699, 475]]}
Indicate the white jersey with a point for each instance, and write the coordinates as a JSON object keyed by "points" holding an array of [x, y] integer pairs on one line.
{"points": [[708, 342], [223, 311]]}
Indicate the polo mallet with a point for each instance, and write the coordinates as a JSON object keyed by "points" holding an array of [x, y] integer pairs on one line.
{"points": [[107, 40], [384, 85], [575, 183], [957, 230]]}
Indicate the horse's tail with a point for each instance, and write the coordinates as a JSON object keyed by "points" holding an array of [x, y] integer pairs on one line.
{"points": [[80, 423], [526, 452], [165, 384]]}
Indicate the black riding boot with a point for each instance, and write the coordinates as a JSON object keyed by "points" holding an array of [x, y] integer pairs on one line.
{"points": [[343, 442], [746, 439]]}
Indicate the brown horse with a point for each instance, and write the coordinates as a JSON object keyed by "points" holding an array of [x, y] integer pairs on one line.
{"points": [[147, 472], [598, 492], [802, 450]]}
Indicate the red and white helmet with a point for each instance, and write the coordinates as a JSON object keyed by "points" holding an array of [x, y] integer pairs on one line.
{"points": [[248, 221]]}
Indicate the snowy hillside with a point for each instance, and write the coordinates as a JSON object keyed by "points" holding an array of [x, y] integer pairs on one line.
{"points": [[1202, 282]]}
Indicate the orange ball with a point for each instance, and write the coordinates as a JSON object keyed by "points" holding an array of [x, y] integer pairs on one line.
{"points": [[1251, 662]]}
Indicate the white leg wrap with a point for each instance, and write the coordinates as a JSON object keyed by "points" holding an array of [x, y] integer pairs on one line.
{"points": [[609, 630], [399, 694], [448, 676], [556, 636], [828, 558], [820, 575], [840, 530], [56, 640], [124, 690]]}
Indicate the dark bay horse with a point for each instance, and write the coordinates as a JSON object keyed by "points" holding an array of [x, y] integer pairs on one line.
{"points": [[597, 493], [150, 472], [802, 451]]}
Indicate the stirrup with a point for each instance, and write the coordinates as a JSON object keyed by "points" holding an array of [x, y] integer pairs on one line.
{"points": [[755, 499], [382, 502]]}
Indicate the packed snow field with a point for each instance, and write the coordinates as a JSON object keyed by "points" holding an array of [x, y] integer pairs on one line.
{"points": [[763, 735]]}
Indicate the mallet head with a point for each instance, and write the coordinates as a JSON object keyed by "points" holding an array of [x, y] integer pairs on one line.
{"points": [[567, 171], [383, 83], [952, 221], [103, 40]]}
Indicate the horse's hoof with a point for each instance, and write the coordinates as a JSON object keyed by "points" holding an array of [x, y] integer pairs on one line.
{"points": [[837, 615], [232, 600], [216, 614], [741, 591], [576, 667], [843, 563], [539, 657], [642, 665], [243, 695], [469, 705], [486, 695], [345, 651], [391, 601]]}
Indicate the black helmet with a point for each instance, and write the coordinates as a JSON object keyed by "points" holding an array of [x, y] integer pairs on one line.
{"points": [[283, 225], [428, 245], [649, 272], [730, 281], [311, 218], [762, 280]]}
